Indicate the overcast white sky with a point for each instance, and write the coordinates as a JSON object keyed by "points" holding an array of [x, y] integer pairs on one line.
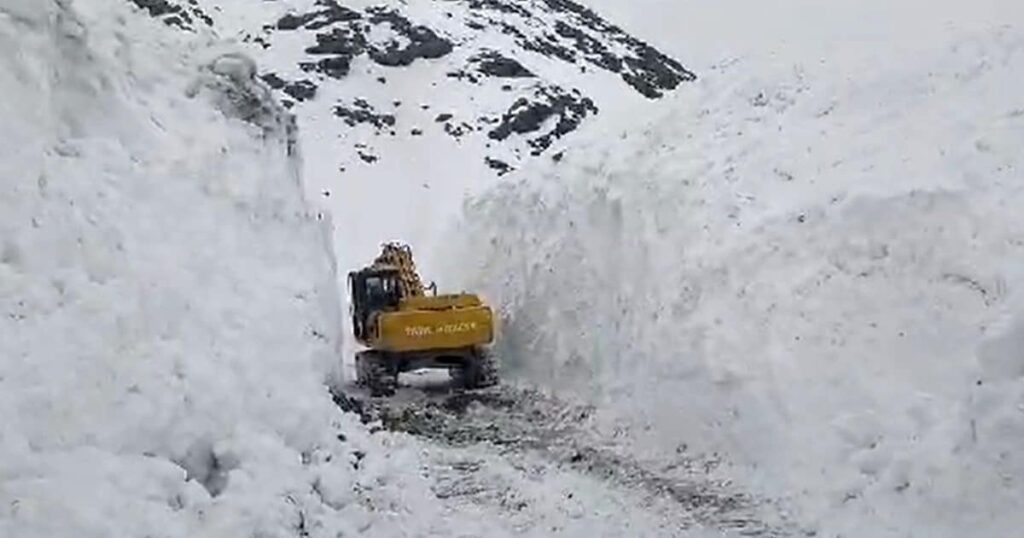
{"points": [[700, 32]]}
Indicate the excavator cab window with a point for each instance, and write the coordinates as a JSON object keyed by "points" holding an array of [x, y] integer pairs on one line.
{"points": [[372, 291], [382, 290], [376, 290]]}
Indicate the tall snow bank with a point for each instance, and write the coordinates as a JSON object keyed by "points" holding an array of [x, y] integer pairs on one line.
{"points": [[167, 304], [815, 272]]}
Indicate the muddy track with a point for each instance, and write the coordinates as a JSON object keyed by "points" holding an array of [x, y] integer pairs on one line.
{"points": [[511, 422]]}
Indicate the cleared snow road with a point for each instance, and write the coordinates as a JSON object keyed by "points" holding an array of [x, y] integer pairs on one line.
{"points": [[537, 464]]}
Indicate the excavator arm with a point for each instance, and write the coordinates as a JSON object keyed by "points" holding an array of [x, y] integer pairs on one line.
{"points": [[399, 257]]}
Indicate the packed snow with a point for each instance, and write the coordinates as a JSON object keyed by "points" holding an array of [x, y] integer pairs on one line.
{"points": [[811, 264]]}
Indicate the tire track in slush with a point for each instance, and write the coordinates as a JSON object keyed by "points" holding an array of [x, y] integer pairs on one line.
{"points": [[511, 422]]}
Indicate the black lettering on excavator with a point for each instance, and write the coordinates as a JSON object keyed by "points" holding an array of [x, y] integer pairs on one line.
{"points": [[420, 331]]}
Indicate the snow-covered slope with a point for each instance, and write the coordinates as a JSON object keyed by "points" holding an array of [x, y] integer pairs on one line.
{"points": [[813, 268], [407, 106]]}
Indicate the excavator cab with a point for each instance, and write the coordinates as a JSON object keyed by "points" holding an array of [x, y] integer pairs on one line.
{"points": [[372, 290]]}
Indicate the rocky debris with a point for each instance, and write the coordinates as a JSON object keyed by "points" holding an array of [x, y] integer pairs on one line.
{"points": [[492, 63], [537, 112], [458, 131], [345, 37], [329, 13], [464, 76], [334, 67], [157, 8], [529, 115], [593, 50], [363, 112], [579, 32], [273, 81], [180, 14], [547, 45], [646, 69], [340, 45], [259, 40], [499, 166], [501, 6], [418, 41], [576, 34], [341, 41], [652, 73], [301, 90]]}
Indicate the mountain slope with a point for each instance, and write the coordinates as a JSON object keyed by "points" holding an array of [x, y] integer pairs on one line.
{"points": [[408, 106]]}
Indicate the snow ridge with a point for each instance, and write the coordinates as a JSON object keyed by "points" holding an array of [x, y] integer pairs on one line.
{"points": [[815, 275]]}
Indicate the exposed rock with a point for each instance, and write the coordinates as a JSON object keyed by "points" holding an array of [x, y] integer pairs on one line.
{"points": [[593, 50], [537, 112], [363, 112], [493, 64], [464, 75], [580, 33], [501, 167], [341, 41], [529, 115], [336, 67], [422, 41], [458, 131], [302, 90], [273, 81], [174, 13], [500, 6], [330, 13], [341, 45]]}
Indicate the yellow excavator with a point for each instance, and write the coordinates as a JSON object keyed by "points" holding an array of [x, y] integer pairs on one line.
{"points": [[405, 329]]}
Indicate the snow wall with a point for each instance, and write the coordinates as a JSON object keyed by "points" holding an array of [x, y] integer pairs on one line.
{"points": [[168, 305], [816, 272]]}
